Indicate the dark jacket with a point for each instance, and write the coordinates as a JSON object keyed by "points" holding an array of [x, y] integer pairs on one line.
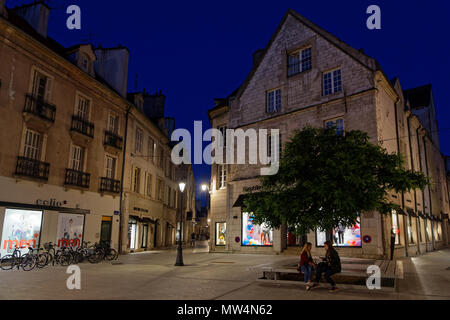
{"points": [[304, 259], [333, 260]]}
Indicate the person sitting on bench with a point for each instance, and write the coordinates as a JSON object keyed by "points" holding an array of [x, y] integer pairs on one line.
{"points": [[330, 266], [306, 264]]}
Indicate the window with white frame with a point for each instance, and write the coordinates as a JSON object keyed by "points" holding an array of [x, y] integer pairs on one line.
{"points": [[300, 61], [82, 109], [110, 167], [77, 158], [332, 82], [42, 85], [222, 176], [338, 124], [273, 100], [113, 124], [136, 180], [139, 140], [32, 145]]}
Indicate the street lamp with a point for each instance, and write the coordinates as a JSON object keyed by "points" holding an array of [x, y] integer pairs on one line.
{"points": [[179, 262]]}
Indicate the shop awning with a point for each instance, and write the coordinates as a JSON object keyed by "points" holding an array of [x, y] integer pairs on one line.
{"points": [[422, 215], [400, 211], [240, 201], [148, 220], [412, 213], [135, 218]]}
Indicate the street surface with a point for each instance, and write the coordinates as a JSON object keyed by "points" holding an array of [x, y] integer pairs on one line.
{"points": [[205, 276]]}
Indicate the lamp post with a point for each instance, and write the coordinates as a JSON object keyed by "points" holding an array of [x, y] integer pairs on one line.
{"points": [[179, 262]]}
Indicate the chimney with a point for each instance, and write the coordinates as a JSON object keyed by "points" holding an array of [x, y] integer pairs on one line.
{"points": [[3, 12], [36, 14], [154, 105], [112, 66], [257, 56]]}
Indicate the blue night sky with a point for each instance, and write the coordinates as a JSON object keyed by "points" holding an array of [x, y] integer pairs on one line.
{"points": [[195, 51]]}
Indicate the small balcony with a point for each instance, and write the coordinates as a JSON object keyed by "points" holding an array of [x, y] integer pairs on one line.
{"points": [[81, 126], [113, 141], [39, 108], [32, 168], [77, 179], [109, 185]]}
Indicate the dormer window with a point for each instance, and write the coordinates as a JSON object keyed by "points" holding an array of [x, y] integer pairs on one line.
{"points": [[85, 63]]}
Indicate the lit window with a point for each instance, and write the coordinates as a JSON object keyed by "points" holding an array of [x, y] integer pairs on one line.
{"points": [[274, 101], [395, 228], [332, 82], [299, 61]]}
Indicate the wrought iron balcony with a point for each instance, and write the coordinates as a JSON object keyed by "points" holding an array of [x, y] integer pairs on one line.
{"points": [[109, 185], [40, 108], [32, 168], [113, 140], [77, 179], [82, 126]]}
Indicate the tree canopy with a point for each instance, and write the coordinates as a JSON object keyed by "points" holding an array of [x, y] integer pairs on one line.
{"points": [[326, 179]]}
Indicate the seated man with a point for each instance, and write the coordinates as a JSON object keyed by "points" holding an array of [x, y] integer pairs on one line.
{"points": [[330, 266]]}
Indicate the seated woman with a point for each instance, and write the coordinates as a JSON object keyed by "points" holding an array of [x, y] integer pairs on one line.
{"points": [[306, 264], [330, 266]]}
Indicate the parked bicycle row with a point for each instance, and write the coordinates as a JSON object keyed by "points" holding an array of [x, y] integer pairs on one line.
{"points": [[54, 255]]}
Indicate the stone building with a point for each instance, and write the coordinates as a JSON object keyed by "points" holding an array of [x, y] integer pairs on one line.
{"points": [[61, 135], [306, 76], [150, 184]]}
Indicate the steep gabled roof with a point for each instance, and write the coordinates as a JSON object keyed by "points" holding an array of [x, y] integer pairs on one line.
{"points": [[357, 55]]}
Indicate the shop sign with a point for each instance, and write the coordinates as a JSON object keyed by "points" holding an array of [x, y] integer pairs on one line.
{"points": [[51, 203]]}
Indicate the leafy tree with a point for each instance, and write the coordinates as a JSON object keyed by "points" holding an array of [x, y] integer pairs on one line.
{"points": [[326, 179]]}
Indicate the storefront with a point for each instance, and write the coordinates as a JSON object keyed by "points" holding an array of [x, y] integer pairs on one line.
{"points": [[35, 216], [141, 233]]}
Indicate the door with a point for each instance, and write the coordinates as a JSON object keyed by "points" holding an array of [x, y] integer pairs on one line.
{"points": [[144, 236], [105, 232]]}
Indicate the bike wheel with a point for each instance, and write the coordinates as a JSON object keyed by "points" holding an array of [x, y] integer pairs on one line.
{"points": [[42, 260], [112, 255], [28, 262], [65, 259], [7, 262], [95, 257]]}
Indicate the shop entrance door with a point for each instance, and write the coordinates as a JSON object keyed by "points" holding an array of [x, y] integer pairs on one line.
{"points": [[105, 231]]}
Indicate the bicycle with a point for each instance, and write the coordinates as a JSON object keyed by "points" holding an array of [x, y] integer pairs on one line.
{"points": [[41, 257], [62, 256], [25, 261]]}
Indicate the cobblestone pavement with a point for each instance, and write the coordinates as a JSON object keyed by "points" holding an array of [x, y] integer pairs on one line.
{"points": [[152, 275]]}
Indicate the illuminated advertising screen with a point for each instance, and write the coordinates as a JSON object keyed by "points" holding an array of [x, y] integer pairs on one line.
{"points": [[70, 230], [341, 237], [255, 234], [221, 233], [21, 228]]}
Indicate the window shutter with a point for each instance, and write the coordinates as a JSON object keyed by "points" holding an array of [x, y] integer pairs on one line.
{"points": [[48, 88]]}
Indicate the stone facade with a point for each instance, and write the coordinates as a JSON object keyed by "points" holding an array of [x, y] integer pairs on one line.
{"points": [[367, 101], [53, 135]]}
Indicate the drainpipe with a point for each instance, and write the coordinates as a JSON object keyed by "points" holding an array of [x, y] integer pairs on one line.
{"points": [[429, 192], [415, 193], [423, 191], [121, 181], [403, 194]]}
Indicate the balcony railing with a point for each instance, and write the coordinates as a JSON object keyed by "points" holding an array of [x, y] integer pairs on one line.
{"points": [[113, 140], [109, 185], [82, 126], [77, 179], [40, 108], [32, 168]]}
